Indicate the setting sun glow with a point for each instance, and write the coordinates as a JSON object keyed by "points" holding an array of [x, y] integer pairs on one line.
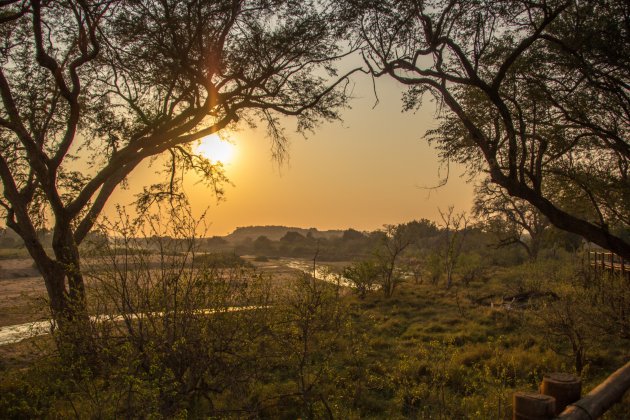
{"points": [[215, 149]]}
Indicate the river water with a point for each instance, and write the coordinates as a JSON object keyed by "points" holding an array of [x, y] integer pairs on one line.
{"points": [[16, 333], [321, 272]]}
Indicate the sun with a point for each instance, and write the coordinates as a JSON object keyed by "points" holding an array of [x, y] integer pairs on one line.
{"points": [[216, 150]]}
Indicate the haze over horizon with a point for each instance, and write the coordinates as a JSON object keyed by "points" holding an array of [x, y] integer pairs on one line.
{"points": [[373, 168]]}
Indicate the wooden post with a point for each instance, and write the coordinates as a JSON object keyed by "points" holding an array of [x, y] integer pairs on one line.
{"points": [[533, 406], [603, 262], [612, 263], [597, 262], [564, 387]]}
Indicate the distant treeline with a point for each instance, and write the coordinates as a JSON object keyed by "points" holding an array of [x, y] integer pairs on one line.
{"points": [[351, 244], [274, 233], [338, 245]]}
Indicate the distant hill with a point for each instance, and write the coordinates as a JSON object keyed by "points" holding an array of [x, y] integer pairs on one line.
{"points": [[274, 233]]}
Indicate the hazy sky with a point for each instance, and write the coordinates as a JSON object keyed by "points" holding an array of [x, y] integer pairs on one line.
{"points": [[373, 168]]}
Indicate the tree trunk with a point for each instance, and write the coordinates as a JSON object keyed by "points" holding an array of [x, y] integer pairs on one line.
{"points": [[68, 265], [66, 293], [534, 248], [449, 276]]}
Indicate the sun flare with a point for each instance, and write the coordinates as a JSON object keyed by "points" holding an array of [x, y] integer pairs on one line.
{"points": [[216, 150]]}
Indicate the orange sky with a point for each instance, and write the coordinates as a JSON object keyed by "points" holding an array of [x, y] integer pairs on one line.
{"points": [[365, 172]]}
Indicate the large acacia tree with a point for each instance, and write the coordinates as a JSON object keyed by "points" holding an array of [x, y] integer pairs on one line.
{"points": [[533, 94], [91, 88]]}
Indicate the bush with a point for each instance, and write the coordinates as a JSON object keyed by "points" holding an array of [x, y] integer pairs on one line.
{"points": [[364, 276]]}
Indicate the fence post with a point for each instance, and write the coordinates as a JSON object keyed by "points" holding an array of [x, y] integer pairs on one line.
{"points": [[564, 387], [533, 406], [612, 263]]}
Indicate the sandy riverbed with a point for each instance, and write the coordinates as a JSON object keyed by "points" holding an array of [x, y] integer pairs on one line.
{"points": [[22, 292]]}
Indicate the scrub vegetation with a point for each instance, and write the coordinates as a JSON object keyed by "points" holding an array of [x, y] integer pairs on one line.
{"points": [[189, 333], [417, 320]]}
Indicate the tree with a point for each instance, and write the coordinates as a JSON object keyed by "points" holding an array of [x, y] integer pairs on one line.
{"points": [[311, 321], [352, 235], [293, 237], [263, 244], [421, 229], [395, 240], [172, 330], [510, 218], [363, 275], [454, 230], [566, 321], [534, 94], [91, 89]]}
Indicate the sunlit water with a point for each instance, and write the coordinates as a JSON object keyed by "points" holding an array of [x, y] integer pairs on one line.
{"points": [[16, 333], [324, 274], [321, 273]]}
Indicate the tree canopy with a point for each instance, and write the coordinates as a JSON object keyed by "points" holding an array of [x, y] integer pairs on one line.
{"points": [[534, 94], [89, 89]]}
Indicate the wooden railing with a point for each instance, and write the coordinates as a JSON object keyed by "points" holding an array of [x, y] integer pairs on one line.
{"points": [[560, 394], [560, 398], [601, 398], [602, 261]]}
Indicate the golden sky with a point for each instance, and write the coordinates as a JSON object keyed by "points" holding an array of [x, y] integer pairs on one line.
{"points": [[374, 168]]}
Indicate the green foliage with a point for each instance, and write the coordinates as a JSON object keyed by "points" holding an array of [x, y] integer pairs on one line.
{"points": [[32, 396], [309, 328], [471, 267], [364, 276], [314, 350]]}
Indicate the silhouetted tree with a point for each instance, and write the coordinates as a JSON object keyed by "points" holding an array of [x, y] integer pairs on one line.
{"points": [[513, 220], [422, 228], [535, 94], [396, 239], [262, 243], [351, 235], [454, 230], [91, 89], [292, 237]]}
